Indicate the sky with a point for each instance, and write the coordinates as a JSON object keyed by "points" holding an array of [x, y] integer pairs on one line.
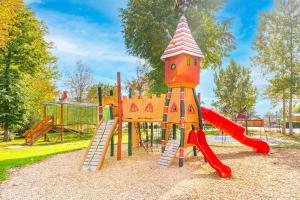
{"points": [[90, 31]]}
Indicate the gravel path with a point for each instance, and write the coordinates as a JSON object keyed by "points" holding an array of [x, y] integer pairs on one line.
{"points": [[275, 176]]}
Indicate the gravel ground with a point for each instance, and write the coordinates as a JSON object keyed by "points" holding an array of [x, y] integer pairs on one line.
{"points": [[274, 176]]}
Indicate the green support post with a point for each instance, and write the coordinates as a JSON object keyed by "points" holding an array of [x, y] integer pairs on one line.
{"points": [[174, 131], [111, 113], [130, 130], [151, 136]]}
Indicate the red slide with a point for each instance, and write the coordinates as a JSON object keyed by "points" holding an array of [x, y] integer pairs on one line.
{"points": [[199, 140], [234, 130]]}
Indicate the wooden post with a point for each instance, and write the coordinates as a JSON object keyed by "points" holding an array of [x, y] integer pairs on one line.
{"points": [[151, 134], [120, 115], [111, 113], [174, 127], [100, 111], [164, 122], [130, 129], [182, 125], [62, 122]]}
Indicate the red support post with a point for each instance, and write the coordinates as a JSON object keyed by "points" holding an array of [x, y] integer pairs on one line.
{"points": [[120, 115]]}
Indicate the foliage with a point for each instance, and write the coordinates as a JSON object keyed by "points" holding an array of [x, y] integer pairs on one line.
{"points": [[8, 14], [79, 82], [139, 84], [25, 53], [92, 95], [11, 100], [277, 44], [146, 23], [38, 91], [234, 89]]}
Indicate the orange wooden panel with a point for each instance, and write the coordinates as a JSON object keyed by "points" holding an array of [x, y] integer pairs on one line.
{"points": [[135, 108]]}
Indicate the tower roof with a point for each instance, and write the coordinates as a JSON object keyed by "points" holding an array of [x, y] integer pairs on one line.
{"points": [[182, 42]]}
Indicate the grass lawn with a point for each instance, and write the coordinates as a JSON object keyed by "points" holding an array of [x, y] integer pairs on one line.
{"points": [[17, 157]]}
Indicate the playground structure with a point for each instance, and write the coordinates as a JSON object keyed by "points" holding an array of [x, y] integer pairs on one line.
{"points": [[181, 109], [63, 116]]}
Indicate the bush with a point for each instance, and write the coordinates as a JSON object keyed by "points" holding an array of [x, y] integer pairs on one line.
{"points": [[295, 125]]}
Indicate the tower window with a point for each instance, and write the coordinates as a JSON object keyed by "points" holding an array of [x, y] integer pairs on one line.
{"points": [[173, 66], [188, 61], [195, 61]]}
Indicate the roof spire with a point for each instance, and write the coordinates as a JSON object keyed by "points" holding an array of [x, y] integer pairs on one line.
{"points": [[182, 41]]}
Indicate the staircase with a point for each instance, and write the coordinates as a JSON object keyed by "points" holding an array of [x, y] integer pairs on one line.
{"points": [[95, 154], [169, 153], [38, 130]]}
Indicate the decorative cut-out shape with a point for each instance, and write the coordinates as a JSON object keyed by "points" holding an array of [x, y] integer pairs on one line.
{"points": [[174, 108], [191, 109], [133, 108], [149, 107]]}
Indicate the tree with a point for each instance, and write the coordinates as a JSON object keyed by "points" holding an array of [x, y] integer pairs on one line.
{"points": [[26, 52], [8, 14], [92, 95], [277, 44], [147, 23], [11, 101], [140, 82], [79, 82], [38, 91], [277, 91], [234, 89]]}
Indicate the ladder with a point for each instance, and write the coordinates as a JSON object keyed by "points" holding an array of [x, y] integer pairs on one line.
{"points": [[95, 154], [169, 154]]}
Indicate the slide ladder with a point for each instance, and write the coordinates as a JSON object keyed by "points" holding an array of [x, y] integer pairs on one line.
{"points": [[95, 154], [169, 153], [38, 130]]}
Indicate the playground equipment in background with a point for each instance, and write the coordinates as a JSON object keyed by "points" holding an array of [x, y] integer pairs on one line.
{"points": [[181, 109], [39, 130], [246, 120], [76, 117]]}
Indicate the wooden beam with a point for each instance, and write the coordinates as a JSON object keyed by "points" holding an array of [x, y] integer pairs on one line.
{"points": [[141, 120]]}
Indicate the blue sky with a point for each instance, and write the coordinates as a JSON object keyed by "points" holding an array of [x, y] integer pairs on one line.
{"points": [[90, 31]]}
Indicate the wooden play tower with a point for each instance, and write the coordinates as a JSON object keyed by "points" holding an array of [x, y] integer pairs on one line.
{"points": [[182, 60]]}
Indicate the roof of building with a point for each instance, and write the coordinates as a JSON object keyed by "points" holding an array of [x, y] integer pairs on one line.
{"points": [[182, 42]]}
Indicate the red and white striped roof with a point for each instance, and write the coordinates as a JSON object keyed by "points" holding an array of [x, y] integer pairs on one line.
{"points": [[182, 42]]}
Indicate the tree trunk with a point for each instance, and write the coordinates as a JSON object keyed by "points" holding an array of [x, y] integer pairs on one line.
{"points": [[283, 115], [290, 113], [6, 136]]}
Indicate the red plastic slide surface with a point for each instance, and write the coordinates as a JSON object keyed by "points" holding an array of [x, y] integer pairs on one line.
{"points": [[199, 140], [234, 130]]}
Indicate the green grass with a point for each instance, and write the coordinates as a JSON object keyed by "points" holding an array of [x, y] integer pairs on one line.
{"points": [[18, 157]]}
